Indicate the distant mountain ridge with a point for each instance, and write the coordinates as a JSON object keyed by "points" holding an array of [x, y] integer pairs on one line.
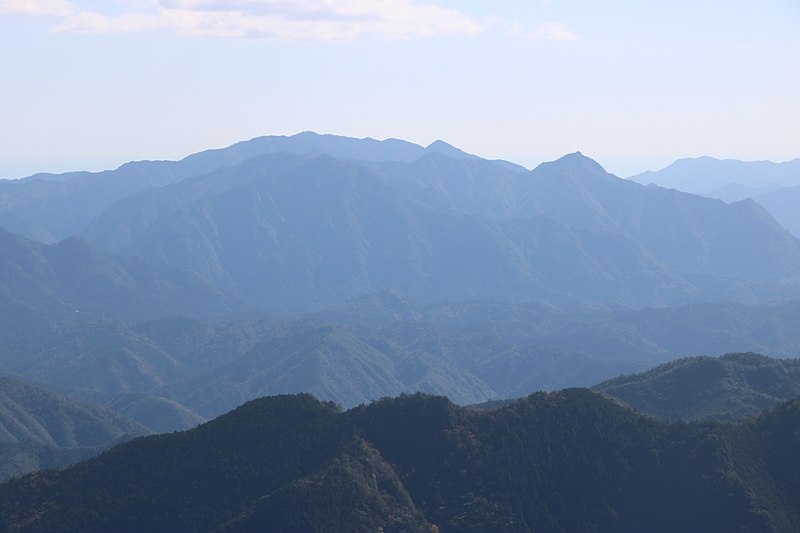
{"points": [[323, 230], [297, 223], [50, 207], [704, 174], [776, 186], [74, 277]]}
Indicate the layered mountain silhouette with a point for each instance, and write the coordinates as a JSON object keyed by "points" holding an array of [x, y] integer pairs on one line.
{"points": [[291, 233], [172, 373], [74, 277], [50, 207], [297, 223], [423, 268], [782, 204], [704, 174], [776, 186], [40, 428], [570, 460]]}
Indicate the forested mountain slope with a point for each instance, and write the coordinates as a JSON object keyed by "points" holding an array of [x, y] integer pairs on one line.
{"points": [[731, 387], [570, 460]]}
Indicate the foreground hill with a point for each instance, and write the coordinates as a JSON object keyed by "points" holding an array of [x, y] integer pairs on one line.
{"points": [[40, 428], [732, 387], [571, 461]]}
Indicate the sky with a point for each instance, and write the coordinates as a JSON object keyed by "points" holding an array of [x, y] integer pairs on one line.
{"points": [[89, 85]]}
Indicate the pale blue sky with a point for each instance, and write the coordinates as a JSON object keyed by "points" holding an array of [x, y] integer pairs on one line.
{"points": [[635, 85]]}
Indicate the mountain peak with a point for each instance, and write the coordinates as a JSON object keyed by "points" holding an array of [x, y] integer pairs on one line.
{"points": [[573, 164], [439, 144], [441, 147], [575, 157]]}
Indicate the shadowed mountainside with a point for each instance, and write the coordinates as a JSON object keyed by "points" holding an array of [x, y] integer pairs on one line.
{"points": [[732, 387], [570, 460]]}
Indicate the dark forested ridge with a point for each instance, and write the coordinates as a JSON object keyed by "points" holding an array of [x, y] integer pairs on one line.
{"points": [[564, 461], [731, 387]]}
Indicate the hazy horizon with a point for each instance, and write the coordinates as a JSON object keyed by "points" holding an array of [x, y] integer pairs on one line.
{"points": [[66, 166], [93, 85]]}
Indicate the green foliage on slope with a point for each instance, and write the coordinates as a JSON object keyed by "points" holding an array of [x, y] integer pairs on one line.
{"points": [[731, 387], [565, 461]]}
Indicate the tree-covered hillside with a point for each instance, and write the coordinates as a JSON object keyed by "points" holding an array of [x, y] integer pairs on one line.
{"points": [[732, 387], [565, 461]]}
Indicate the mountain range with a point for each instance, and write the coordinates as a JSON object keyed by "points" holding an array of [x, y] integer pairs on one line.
{"points": [[166, 293], [292, 224]]}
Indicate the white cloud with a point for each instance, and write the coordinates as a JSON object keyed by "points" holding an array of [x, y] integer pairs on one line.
{"points": [[57, 8], [550, 31], [285, 20]]}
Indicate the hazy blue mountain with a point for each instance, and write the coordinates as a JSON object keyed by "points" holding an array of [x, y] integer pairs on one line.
{"points": [[310, 143], [703, 174], [688, 233], [685, 232], [292, 233], [565, 461], [50, 207], [74, 277], [40, 428], [732, 387], [156, 413], [294, 230], [735, 192], [783, 204], [773, 185], [635, 334]]}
